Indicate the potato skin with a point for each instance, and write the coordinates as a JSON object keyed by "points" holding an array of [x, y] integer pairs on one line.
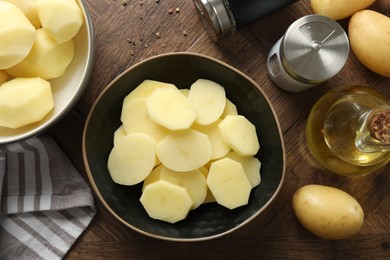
{"points": [[339, 9], [327, 212], [369, 36]]}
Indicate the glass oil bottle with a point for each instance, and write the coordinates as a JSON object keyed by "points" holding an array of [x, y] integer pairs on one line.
{"points": [[348, 131]]}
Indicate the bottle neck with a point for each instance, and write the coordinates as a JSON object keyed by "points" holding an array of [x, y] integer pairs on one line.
{"points": [[373, 134]]}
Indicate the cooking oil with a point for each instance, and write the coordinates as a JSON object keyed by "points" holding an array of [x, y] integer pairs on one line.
{"points": [[337, 130]]}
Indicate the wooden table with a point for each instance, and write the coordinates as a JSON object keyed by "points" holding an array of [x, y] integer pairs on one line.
{"points": [[127, 34]]}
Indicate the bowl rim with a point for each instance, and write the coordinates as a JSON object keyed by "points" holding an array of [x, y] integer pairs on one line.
{"points": [[83, 84], [102, 200]]}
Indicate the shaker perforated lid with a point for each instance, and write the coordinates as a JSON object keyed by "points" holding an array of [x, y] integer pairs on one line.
{"points": [[314, 49]]}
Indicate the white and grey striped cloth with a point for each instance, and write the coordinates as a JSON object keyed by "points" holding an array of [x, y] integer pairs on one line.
{"points": [[45, 203]]}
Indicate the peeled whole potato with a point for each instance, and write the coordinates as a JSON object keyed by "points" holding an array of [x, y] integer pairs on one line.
{"points": [[339, 9], [327, 212], [369, 36], [17, 35], [62, 19], [28, 8], [47, 58], [24, 101]]}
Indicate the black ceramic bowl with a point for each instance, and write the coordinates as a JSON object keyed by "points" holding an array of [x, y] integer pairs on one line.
{"points": [[209, 220]]}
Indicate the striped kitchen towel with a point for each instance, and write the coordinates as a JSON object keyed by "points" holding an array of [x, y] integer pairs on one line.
{"points": [[45, 203]]}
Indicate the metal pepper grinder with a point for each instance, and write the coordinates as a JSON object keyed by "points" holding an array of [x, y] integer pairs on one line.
{"points": [[224, 17], [313, 49]]}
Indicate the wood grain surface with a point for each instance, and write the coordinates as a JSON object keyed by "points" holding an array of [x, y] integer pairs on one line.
{"points": [[127, 34]]}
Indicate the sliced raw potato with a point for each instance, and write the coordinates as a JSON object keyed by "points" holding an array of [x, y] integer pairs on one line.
{"points": [[47, 58], [62, 19], [17, 35], [209, 196], [240, 135], [152, 177], [219, 148], [166, 201], [146, 88], [228, 183], [28, 8], [3, 76], [119, 134], [209, 100], [170, 108], [24, 101], [185, 91], [131, 160], [230, 109], [194, 181], [251, 167], [193, 161], [208, 164], [184, 150], [204, 170], [135, 118]]}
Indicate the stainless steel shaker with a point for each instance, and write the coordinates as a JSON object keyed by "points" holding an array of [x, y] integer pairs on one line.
{"points": [[224, 17], [313, 49]]}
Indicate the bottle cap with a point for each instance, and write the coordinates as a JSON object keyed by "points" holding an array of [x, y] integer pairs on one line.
{"points": [[379, 127], [374, 132]]}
